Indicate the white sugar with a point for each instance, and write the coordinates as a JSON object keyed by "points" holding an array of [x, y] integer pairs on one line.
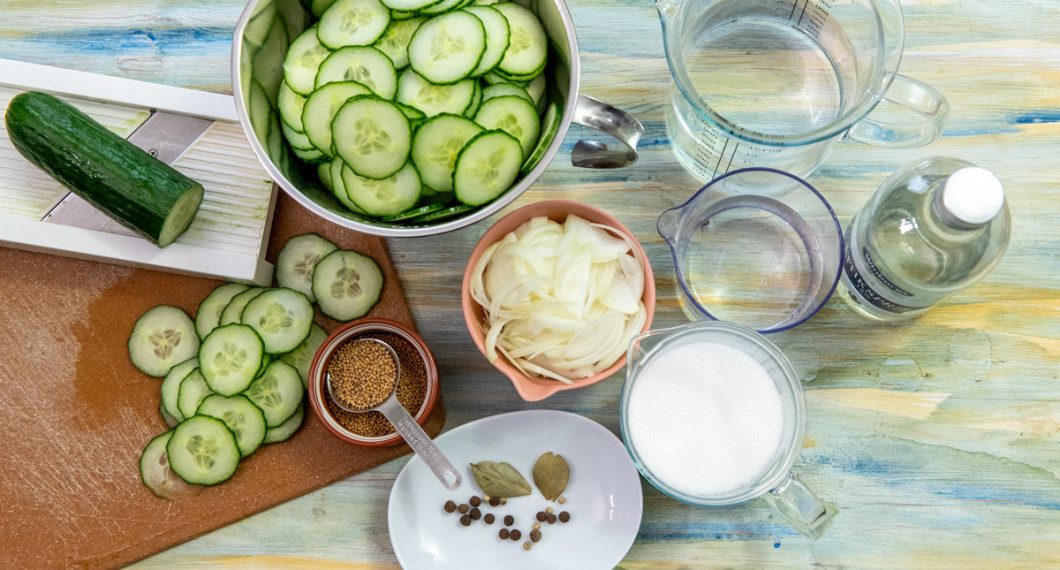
{"points": [[705, 418]]}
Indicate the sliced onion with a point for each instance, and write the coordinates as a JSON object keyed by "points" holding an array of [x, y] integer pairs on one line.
{"points": [[561, 301]]}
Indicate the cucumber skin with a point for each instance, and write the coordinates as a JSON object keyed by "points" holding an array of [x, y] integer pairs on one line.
{"points": [[114, 175]]}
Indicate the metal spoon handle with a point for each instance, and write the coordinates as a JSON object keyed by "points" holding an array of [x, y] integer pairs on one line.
{"points": [[420, 442]]}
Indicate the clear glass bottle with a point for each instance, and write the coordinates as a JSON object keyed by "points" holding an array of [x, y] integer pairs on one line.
{"points": [[932, 228]]}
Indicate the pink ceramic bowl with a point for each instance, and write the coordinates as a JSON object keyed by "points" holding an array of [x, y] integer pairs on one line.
{"points": [[533, 388], [318, 395]]}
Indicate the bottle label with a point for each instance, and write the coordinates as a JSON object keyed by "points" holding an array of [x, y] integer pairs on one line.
{"points": [[865, 290]]}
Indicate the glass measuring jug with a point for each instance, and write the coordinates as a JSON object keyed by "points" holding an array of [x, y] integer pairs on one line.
{"points": [[776, 83], [713, 414]]}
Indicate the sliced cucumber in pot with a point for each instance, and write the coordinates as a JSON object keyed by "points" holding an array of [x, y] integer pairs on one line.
{"points": [[352, 23], [384, 197], [372, 136], [448, 48], [347, 284], [415, 91], [163, 337], [513, 115], [487, 167], [203, 451], [365, 65], [295, 263], [437, 144], [395, 41], [320, 109]]}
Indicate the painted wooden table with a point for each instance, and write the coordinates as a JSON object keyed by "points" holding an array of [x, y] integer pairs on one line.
{"points": [[937, 439]]}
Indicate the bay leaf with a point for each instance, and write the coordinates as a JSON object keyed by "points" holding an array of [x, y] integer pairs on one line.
{"points": [[499, 479], [551, 474]]}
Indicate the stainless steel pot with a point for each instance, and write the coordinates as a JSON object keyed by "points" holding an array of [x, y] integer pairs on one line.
{"points": [[266, 29]]}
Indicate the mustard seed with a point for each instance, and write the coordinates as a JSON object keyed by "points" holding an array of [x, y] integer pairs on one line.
{"points": [[411, 390], [526, 545], [561, 500], [362, 374], [537, 526], [548, 510]]}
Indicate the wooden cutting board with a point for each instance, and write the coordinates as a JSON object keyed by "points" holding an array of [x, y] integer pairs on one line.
{"points": [[75, 414]]}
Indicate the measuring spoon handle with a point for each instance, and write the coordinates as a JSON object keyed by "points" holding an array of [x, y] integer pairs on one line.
{"points": [[420, 442]]}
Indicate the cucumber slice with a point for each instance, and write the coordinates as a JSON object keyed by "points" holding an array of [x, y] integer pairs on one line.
{"points": [[281, 317], [372, 136], [409, 5], [302, 357], [320, 109], [163, 337], [443, 6], [352, 23], [513, 115], [208, 315], [192, 391], [437, 144], [246, 420], [365, 65], [413, 213], [318, 7], [288, 428], [447, 48], [338, 187], [487, 167], [395, 40], [312, 156], [299, 142], [497, 37], [295, 263], [203, 451], [324, 173], [550, 126], [156, 474], [303, 60], [384, 197], [171, 386], [171, 422], [290, 105], [415, 91], [476, 101], [230, 357], [536, 90], [527, 51], [450, 212], [500, 89], [234, 309], [278, 392], [347, 284]]}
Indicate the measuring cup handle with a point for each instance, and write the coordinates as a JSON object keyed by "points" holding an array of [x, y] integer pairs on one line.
{"points": [[806, 512], [589, 112], [910, 130], [421, 443]]}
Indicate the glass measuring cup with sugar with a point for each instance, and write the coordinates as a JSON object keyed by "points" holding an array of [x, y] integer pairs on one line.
{"points": [[776, 83], [713, 414]]}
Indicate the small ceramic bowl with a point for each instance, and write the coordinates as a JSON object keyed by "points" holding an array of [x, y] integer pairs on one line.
{"points": [[534, 388], [318, 391]]}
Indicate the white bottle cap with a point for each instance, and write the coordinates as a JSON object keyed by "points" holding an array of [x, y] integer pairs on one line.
{"points": [[973, 195]]}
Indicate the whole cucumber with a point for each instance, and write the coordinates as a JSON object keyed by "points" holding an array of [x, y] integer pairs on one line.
{"points": [[123, 181]]}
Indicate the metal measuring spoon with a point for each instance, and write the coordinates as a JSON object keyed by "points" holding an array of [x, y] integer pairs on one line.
{"points": [[405, 424]]}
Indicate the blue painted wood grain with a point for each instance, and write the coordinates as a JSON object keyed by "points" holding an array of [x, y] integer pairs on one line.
{"points": [[938, 439]]}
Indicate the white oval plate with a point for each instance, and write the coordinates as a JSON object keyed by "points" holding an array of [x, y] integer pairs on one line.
{"points": [[603, 497]]}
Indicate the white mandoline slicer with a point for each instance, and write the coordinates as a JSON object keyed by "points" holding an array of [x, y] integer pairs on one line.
{"points": [[197, 133]]}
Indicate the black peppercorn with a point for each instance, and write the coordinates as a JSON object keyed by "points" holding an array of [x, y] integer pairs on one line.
{"points": [[465, 520], [503, 534], [509, 520], [535, 535], [449, 506], [515, 534], [463, 508], [475, 501], [564, 516], [475, 514], [488, 519]]}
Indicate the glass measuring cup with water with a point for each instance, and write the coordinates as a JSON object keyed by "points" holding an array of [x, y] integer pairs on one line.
{"points": [[776, 83], [713, 414]]}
